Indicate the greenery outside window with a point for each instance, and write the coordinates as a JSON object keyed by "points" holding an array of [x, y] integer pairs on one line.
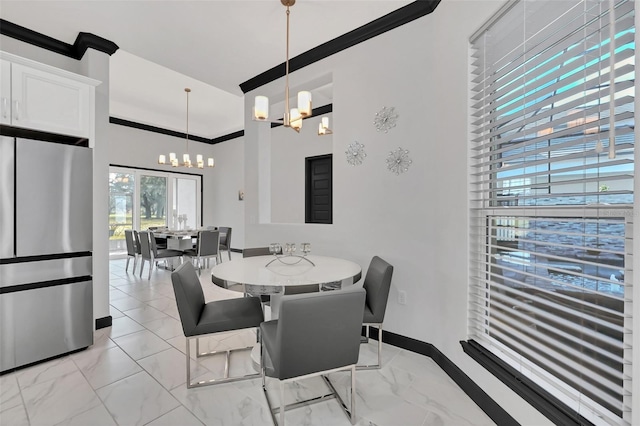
{"points": [[139, 199]]}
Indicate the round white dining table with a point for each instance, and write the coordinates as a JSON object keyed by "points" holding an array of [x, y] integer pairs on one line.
{"points": [[266, 275], [285, 271]]}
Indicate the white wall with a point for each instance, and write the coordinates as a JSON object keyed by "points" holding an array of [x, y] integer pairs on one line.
{"points": [[220, 185], [140, 148], [223, 208], [417, 221], [95, 64], [288, 152]]}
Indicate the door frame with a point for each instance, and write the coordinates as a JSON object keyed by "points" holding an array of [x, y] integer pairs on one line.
{"points": [[308, 188]]}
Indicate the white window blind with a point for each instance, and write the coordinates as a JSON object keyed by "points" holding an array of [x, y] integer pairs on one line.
{"points": [[552, 173]]}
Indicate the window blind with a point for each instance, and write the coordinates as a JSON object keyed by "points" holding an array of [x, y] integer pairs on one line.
{"points": [[552, 173]]}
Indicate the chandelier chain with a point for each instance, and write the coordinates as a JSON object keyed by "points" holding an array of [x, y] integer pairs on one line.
{"points": [[286, 85]]}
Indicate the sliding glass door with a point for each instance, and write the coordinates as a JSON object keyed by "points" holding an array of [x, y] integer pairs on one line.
{"points": [[153, 200], [139, 199]]}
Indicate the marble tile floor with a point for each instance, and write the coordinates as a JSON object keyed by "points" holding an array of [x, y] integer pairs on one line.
{"points": [[134, 374]]}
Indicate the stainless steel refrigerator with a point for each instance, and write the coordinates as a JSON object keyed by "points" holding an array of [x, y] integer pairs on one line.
{"points": [[46, 293]]}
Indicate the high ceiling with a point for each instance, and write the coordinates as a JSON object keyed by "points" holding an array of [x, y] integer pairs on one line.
{"points": [[209, 46]]}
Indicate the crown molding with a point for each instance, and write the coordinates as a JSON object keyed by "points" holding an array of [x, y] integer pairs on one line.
{"points": [[76, 50], [228, 137], [85, 41], [325, 109], [392, 20], [154, 129]]}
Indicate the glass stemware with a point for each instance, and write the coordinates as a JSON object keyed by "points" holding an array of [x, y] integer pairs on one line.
{"points": [[306, 248]]}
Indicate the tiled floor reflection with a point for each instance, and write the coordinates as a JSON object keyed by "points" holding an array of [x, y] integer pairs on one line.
{"points": [[134, 374]]}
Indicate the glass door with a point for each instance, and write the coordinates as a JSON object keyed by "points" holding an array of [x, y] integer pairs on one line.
{"points": [[184, 203], [121, 201], [153, 201], [139, 199]]}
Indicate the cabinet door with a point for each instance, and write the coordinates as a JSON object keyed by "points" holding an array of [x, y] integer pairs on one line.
{"points": [[48, 102], [5, 92]]}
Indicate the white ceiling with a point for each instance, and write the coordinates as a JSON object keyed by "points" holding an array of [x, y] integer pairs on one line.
{"points": [[208, 46]]}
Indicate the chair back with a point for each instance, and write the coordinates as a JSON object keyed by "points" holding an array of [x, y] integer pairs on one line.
{"points": [[255, 251], [136, 238], [189, 296], [318, 331], [131, 244], [145, 244], [301, 288], [377, 283], [208, 243], [153, 244], [225, 236]]}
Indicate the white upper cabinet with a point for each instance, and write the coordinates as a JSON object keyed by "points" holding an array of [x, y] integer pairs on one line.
{"points": [[45, 98], [5, 92]]}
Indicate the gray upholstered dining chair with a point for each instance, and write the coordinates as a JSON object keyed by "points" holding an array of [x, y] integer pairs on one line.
{"points": [[150, 252], [316, 334], [201, 319], [207, 247], [255, 251], [225, 239], [132, 249], [377, 283]]}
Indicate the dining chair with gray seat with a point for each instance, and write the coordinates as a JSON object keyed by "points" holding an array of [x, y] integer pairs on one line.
{"points": [[207, 246], [255, 251], [150, 252], [201, 319], [132, 249], [315, 334], [377, 283], [225, 239]]}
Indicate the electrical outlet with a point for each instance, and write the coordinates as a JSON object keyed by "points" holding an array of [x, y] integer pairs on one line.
{"points": [[402, 297]]}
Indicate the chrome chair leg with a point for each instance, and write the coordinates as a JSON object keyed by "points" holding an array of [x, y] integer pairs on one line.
{"points": [[379, 364], [189, 361], [353, 395], [227, 353], [282, 404]]}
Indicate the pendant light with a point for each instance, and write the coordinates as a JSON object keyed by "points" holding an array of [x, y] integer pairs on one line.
{"points": [[186, 159]]}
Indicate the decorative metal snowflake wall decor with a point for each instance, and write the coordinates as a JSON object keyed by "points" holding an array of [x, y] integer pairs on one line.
{"points": [[385, 119], [355, 153], [398, 161]]}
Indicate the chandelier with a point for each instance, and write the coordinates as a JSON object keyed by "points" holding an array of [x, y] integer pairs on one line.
{"points": [[186, 160], [292, 116]]}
